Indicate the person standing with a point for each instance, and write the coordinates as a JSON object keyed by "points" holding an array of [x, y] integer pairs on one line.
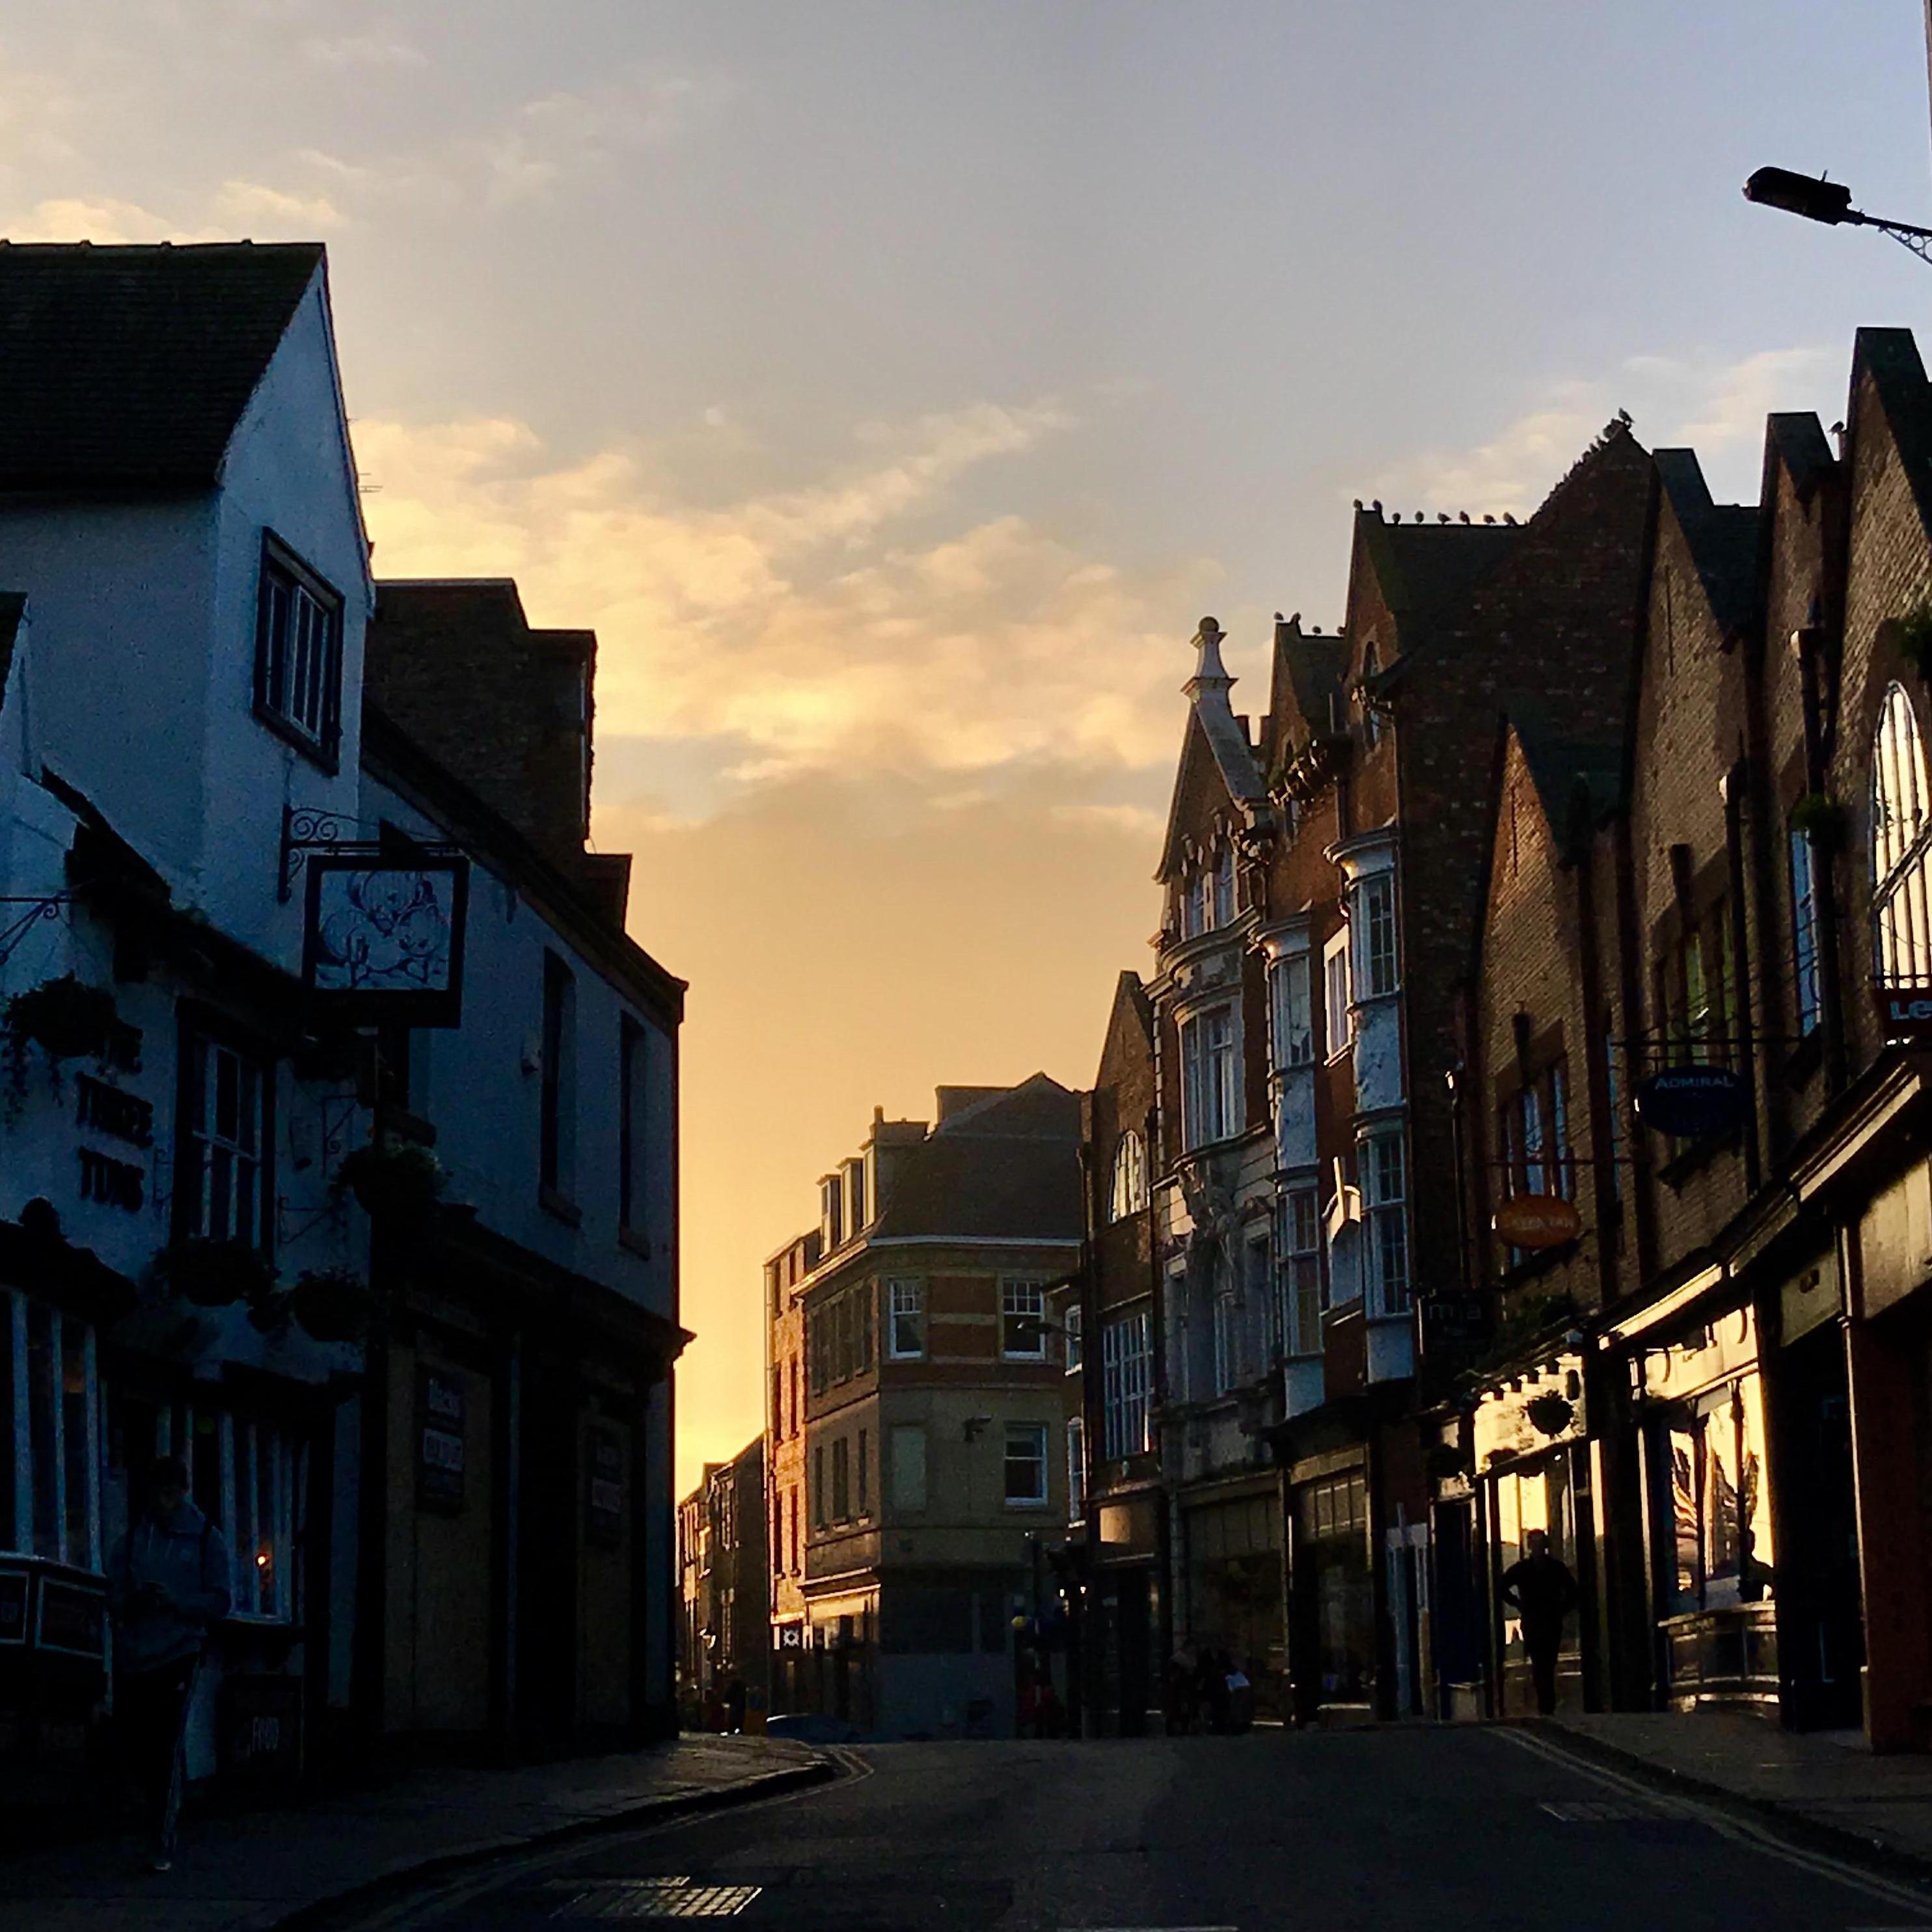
{"points": [[168, 1583], [1542, 1592]]}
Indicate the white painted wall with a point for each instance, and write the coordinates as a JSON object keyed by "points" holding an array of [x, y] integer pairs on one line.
{"points": [[481, 1084]]}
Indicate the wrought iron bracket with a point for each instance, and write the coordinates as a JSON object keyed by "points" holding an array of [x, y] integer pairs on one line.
{"points": [[40, 907], [307, 830]]}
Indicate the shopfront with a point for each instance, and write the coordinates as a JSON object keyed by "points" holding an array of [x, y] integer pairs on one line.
{"points": [[1234, 1579], [1701, 1412], [1530, 1435], [1332, 1585]]}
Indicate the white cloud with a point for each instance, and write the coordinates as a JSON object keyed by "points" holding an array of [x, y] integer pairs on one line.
{"points": [[802, 628], [107, 221], [254, 208], [1717, 407], [375, 48]]}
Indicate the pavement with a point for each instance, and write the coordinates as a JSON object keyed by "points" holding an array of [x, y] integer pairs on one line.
{"points": [[1826, 1784], [295, 1866], [1448, 1828]]}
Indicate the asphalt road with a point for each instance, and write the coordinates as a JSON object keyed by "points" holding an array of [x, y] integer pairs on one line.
{"points": [[1455, 1829]]}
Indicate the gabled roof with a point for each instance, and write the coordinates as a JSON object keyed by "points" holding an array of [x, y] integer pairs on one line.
{"points": [[1213, 731], [1005, 1167], [13, 608], [458, 664], [1890, 357], [1796, 438], [130, 367], [1577, 780], [1427, 572], [1723, 537], [1309, 670]]}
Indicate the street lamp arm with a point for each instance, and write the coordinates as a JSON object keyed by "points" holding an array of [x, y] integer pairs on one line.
{"points": [[1830, 203]]}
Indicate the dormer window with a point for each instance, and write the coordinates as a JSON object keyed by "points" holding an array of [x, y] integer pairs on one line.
{"points": [[298, 652]]}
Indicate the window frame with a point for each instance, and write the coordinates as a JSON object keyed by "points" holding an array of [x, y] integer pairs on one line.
{"points": [[1126, 1380], [1389, 1290], [281, 567], [1292, 1009], [1338, 1014], [1808, 984], [1040, 1435], [1013, 1287], [1072, 1324], [1298, 1269], [912, 1289], [1900, 853], [1377, 972], [198, 1035], [1076, 1469], [1128, 1195]]}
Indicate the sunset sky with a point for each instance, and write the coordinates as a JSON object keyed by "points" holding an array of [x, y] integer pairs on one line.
{"points": [[893, 386]]}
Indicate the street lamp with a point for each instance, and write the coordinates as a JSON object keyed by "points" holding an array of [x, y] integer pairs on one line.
{"points": [[1831, 203]]}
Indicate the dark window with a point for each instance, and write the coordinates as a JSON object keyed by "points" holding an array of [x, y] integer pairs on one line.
{"points": [[299, 652], [841, 1481], [223, 1187], [559, 1076], [633, 1066], [818, 1487], [864, 1443]]}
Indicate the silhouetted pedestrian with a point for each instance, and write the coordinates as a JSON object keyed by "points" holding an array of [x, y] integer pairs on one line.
{"points": [[168, 1585], [1542, 1592]]}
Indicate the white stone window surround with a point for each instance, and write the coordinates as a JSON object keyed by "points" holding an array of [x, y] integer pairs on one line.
{"points": [[1338, 998], [1368, 860], [1279, 943], [1224, 1110]]}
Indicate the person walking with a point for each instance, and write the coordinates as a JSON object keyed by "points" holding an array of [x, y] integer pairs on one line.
{"points": [[1542, 1592], [168, 1585]]}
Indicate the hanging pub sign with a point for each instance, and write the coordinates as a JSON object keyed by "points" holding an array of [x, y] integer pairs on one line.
{"points": [[1692, 1103], [1533, 1221], [1905, 1013], [1454, 1316], [383, 937]]}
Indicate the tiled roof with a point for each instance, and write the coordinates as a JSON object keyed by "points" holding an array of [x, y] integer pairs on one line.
{"points": [[1007, 1167], [1427, 572], [1578, 780], [130, 367]]}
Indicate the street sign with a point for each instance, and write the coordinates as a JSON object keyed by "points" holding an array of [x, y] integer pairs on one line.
{"points": [[1692, 1103], [1905, 1013], [1537, 1221]]}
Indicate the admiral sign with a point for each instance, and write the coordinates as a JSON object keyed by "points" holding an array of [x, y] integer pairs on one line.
{"points": [[1692, 1103]]}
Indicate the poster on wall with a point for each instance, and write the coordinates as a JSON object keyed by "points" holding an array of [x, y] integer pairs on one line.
{"points": [[440, 1447], [605, 1466], [382, 940]]}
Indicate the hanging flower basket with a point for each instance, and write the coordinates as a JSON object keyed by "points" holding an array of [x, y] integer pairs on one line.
{"points": [[1445, 1462], [391, 1183], [1550, 1412], [332, 1305], [64, 1018], [1820, 817], [215, 1274], [1911, 637]]}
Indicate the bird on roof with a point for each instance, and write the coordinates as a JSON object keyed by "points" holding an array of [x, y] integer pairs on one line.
{"points": [[1377, 506], [1464, 514], [1489, 517]]}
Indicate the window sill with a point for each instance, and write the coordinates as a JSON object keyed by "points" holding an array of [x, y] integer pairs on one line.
{"points": [[1023, 1503], [325, 757], [1008, 1355], [893, 1355], [565, 1210], [633, 1243]]}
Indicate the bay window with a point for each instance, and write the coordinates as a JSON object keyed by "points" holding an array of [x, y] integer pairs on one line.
{"points": [[1338, 1019], [1292, 1008], [1210, 1076], [1301, 1248], [1385, 1208], [1372, 918]]}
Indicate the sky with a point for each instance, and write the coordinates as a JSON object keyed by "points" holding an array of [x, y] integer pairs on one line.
{"points": [[894, 386]]}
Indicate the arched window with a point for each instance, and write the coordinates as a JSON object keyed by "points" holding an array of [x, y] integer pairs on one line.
{"points": [[1372, 723], [1901, 887], [1224, 887], [1130, 1186]]}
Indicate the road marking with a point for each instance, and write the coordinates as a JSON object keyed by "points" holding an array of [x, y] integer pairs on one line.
{"points": [[1599, 1811], [1819, 1863], [651, 1898]]}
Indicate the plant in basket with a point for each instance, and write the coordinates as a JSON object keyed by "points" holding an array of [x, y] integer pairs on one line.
{"points": [[391, 1182], [65, 1018], [332, 1304]]}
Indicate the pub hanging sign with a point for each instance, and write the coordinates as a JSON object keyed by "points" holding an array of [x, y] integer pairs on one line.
{"points": [[383, 936], [1692, 1102]]}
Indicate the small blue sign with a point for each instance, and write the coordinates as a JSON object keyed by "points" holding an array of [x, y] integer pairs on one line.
{"points": [[1692, 1103]]}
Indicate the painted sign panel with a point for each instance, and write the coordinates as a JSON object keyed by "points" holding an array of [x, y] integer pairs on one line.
{"points": [[383, 940], [1904, 1012], [1537, 1221], [1692, 1103], [440, 1455], [1454, 1317]]}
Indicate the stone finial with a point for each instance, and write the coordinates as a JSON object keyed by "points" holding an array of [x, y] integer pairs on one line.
{"points": [[1209, 671]]}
